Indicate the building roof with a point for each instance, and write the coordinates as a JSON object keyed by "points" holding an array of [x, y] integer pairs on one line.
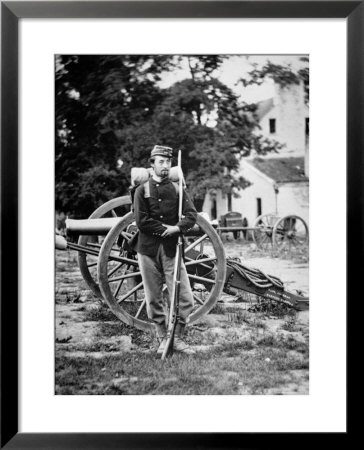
{"points": [[281, 170], [263, 107]]}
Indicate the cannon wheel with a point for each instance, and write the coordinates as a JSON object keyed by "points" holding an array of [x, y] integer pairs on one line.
{"points": [[88, 263], [205, 263], [290, 231], [263, 230]]}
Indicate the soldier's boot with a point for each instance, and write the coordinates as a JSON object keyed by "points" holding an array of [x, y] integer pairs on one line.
{"points": [[179, 344]]}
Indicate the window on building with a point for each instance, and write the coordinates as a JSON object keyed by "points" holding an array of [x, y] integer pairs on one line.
{"points": [[229, 201], [259, 207], [307, 129], [272, 126]]}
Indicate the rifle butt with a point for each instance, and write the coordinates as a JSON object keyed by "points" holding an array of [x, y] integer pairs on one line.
{"points": [[168, 348]]}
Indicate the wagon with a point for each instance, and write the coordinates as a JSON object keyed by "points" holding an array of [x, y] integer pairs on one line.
{"points": [[234, 221]]}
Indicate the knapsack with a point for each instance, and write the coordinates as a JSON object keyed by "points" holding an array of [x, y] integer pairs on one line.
{"points": [[141, 176]]}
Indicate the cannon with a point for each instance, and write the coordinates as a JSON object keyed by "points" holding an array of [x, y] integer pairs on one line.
{"points": [[110, 266], [269, 230], [282, 233]]}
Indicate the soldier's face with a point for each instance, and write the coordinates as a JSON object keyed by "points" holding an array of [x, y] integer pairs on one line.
{"points": [[161, 166]]}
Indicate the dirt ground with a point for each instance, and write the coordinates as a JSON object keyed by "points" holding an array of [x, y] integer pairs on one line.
{"points": [[275, 345]]}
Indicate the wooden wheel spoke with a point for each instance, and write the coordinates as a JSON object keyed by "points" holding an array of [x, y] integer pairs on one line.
{"points": [[196, 242], [140, 309], [118, 287], [92, 264], [124, 260], [116, 268], [123, 277], [299, 239], [131, 292], [92, 255], [281, 234], [197, 298], [115, 249], [192, 262], [201, 279], [120, 282], [113, 213], [93, 244], [90, 251]]}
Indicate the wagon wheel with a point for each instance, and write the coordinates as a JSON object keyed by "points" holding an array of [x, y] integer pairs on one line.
{"points": [[263, 230], [123, 288], [290, 231], [87, 262]]}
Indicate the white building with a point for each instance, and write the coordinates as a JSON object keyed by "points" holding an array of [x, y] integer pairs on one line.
{"points": [[279, 182], [278, 186], [284, 118]]}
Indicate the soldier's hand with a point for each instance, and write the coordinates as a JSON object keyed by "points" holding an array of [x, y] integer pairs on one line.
{"points": [[170, 230]]}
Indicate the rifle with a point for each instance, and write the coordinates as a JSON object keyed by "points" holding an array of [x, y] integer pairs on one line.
{"points": [[174, 306]]}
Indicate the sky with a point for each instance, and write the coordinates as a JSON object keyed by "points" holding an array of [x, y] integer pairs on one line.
{"points": [[235, 67]]}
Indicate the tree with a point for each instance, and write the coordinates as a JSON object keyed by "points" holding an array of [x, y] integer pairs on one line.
{"points": [[283, 75], [202, 117], [96, 97], [110, 112]]}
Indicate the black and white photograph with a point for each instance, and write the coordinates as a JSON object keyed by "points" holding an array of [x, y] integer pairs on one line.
{"points": [[182, 224]]}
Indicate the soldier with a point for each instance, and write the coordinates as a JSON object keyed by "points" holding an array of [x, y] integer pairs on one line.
{"points": [[156, 215]]}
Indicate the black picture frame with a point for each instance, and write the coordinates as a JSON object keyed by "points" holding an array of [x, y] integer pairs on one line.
{"points": [[11, 13]]}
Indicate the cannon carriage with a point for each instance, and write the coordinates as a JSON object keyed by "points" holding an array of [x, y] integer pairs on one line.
{"points": [[110, 268], [281, 233], [269, 231]]}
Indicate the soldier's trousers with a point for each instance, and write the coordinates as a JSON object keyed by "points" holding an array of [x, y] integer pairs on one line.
{"points": [[155, 271]]}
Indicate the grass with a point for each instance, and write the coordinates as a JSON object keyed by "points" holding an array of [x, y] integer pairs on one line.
{"points": [[291, 322], [99, 314], [241, 357], [222, 371], [238, 365], [237, 316], [271, 308], [218, 309]]}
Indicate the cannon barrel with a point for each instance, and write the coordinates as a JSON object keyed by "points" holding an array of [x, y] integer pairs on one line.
{"points": [[101, 227], [91, 227]]}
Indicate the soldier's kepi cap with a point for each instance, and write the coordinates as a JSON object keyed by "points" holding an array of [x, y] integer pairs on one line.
{"points": [[161, 150]]}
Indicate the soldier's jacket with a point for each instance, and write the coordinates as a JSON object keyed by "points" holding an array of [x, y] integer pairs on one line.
{"points": [[158, 205]]}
